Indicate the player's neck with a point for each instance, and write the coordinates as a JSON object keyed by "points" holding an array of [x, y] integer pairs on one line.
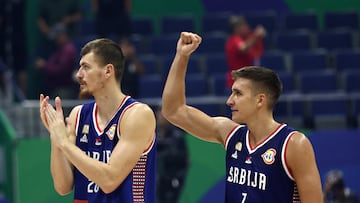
{"points": [[261, 129], [108, 102]]}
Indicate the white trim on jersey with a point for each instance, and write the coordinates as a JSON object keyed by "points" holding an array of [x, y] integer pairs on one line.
{"points": [[95, 108], [121, 115], [231, 133], [150, 147], [247, 140], [77, 122], [283, 156]]}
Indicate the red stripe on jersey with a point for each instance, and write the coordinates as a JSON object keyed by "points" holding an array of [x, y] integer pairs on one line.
{"points": [[96, 111], [122, 114], [147, 150], [229, 135], [286, 146], [272, 134]]}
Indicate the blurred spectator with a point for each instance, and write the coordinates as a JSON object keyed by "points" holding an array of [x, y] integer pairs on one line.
{"points": [[13, 40], [133, 69], [2, 29], [172, 160], [112, 17], [3, 83], [335, 190], [9, 90], [243, 46], [59, 67], [54, 12], [51, 14]]}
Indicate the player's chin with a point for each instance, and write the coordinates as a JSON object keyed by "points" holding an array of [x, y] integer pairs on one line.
{"points": [[84, 94]]}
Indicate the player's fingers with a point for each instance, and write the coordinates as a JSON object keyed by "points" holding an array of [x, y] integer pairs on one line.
{"points": [[196, 39], [41, 99], [50, 113], [58, 105], [186, 37]]}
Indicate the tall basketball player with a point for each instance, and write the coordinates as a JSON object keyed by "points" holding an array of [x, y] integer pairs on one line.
{"points": [[266, 161], [105, 150]]}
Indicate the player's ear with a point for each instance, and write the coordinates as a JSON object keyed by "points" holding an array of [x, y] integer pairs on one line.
{"points": [[109, 70], [261, 98]]}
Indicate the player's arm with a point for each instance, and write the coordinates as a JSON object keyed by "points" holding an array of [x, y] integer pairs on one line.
{"points": [[259, 33], [174, 107], [301, 161], [137, 133], [61, 169]]}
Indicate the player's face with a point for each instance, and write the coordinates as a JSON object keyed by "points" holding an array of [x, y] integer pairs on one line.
{"points": [[90, 76], [242, 101]]}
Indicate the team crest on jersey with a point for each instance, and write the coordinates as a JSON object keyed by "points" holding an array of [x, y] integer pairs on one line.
{"points": [[111, 132], [269, 156]]}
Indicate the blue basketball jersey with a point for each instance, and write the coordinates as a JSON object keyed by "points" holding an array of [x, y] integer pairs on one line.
{"points": [[259, 173], [139, 185]]}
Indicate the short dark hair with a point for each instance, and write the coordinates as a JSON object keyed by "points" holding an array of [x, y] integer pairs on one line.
{"points": [[107, 52], [236, 20], [265, 80]]}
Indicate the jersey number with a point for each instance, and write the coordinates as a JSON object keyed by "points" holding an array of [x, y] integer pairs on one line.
{"points": [[243, 197], [92, 187]]}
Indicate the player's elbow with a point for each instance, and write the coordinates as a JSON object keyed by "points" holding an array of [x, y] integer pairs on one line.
{"points": [[109, 188], [169, 115], [62, 189]]}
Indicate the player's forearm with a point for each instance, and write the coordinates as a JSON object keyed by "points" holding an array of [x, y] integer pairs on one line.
{"points": [[98, 172], [174, 91], [61, 171]]}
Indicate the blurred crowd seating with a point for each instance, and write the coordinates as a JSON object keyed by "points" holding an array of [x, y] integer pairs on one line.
{"points": [[317, 58]]}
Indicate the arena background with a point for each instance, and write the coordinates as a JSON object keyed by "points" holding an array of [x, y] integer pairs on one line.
{"points": [[24, 163]]}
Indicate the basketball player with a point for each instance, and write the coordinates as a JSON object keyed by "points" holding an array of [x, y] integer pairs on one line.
{"points": [[105, 151], [266, 161]]}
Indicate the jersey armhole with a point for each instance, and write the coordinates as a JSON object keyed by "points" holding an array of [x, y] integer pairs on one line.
{"points": [[121, 116], [77, 121], [231, 133], [283, 156], [148, 149]]}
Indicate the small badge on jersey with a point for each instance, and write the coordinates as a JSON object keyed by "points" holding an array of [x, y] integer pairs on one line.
{"points": [[98, 141], [85, 129], [111, 132], [269, 156], [238, 147], [248, 160]]}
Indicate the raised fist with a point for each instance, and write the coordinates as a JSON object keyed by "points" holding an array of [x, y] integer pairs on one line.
{"points": [[188, 43]]}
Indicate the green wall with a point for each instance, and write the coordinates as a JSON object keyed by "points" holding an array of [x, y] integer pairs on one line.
{"points": [[207, 167], [35, 182]]}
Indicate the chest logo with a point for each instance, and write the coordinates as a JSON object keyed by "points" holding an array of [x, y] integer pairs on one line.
{"points": [[111, 132], [269, 156]]}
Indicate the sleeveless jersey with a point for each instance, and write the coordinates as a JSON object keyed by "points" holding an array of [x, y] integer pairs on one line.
{"points": [[138, 186], [259, 174]]}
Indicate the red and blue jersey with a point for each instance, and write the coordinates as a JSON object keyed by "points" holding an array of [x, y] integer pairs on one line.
{"points": [[259, 173], [138, 186]]}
